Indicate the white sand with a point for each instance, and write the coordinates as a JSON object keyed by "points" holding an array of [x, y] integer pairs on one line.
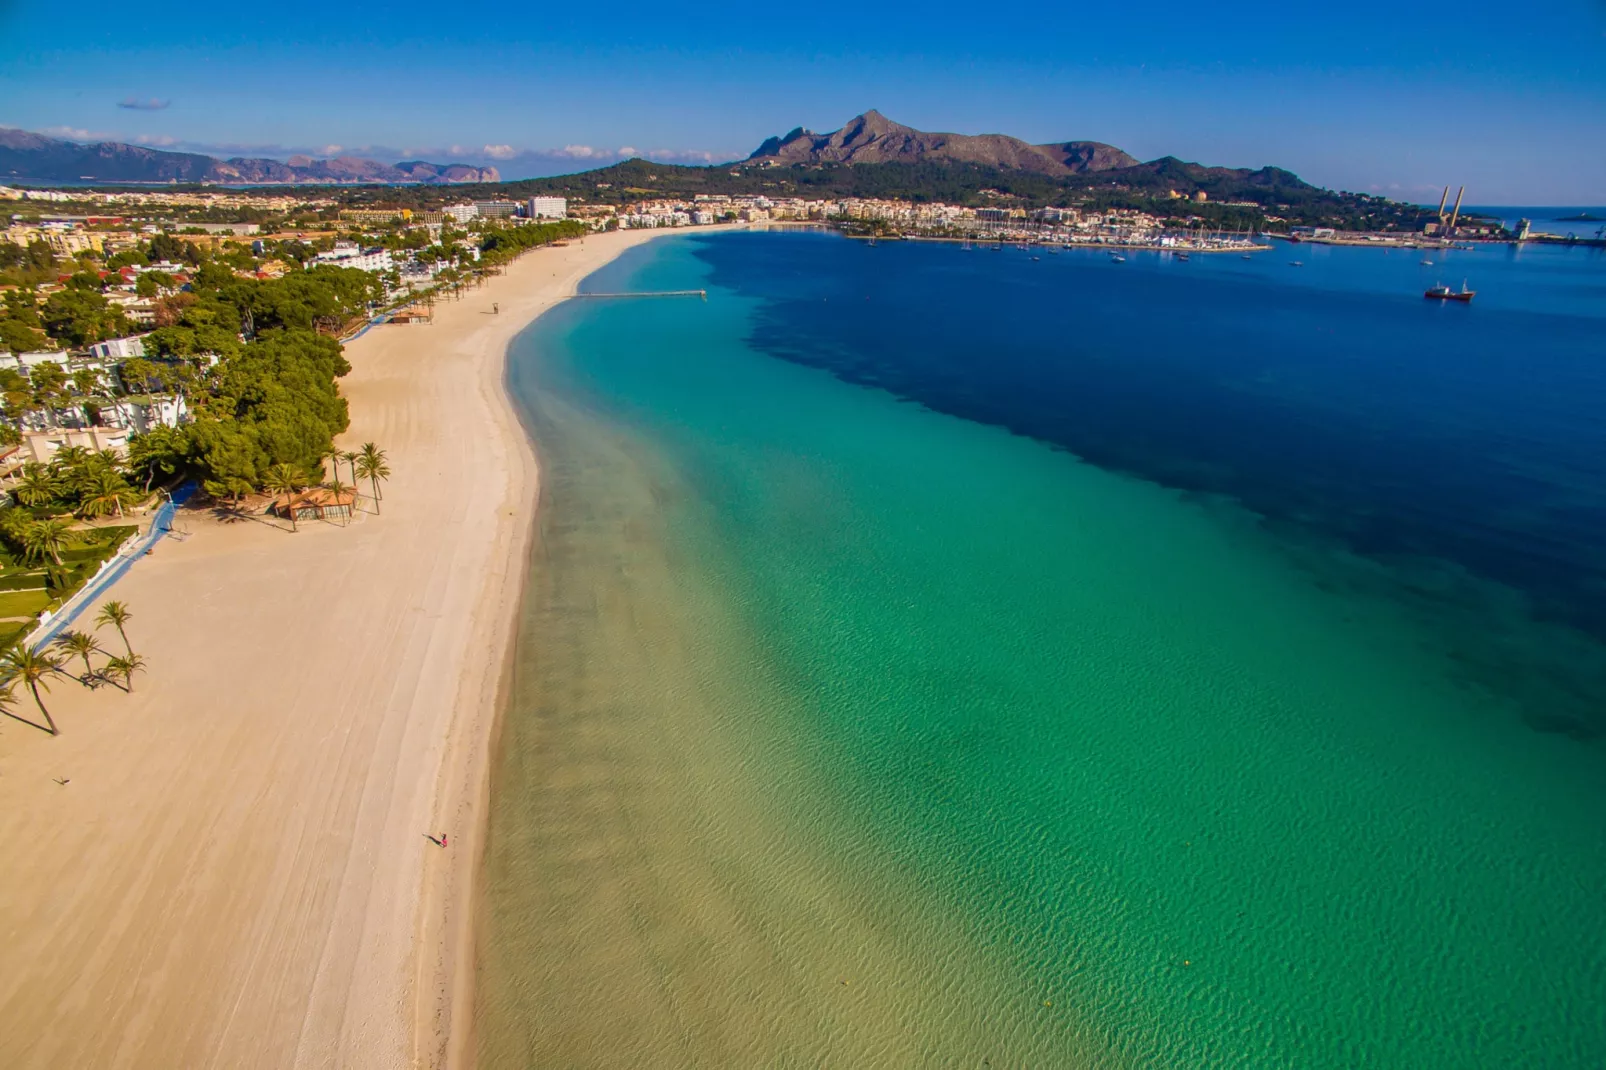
{"points": [[236, 874]]}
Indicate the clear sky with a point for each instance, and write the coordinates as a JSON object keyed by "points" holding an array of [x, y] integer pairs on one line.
{"points": [[1508, 98]]}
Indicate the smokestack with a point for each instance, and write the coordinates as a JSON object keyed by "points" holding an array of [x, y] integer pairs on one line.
{"points": [[1457, 213], [1442, 198]]}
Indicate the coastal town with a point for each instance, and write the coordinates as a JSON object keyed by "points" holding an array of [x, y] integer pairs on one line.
{"points": [[122, 307]]}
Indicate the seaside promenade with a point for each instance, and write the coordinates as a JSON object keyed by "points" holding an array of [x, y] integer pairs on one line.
{"points": [[235, 873]]}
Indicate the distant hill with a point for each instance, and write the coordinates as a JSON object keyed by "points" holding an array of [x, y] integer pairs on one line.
{"points": [[34, 157], [873, 138], [873, 143]]}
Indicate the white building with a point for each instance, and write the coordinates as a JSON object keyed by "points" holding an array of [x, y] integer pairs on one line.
{"points": [[143, 413], [119, 348], [496, 209], [24, 361], [347, 254], [460, 213], [42, 445], [548, 208]]}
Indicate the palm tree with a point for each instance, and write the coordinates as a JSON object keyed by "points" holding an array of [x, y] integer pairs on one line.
{"points": [[285, 479], [126, 667], [116, 614], [33, 667], [37, 486], [372, 467], [8, 699], [350, 457], [337, 488], [46, 537], [80, 643], [67, 458], [104, 491]]}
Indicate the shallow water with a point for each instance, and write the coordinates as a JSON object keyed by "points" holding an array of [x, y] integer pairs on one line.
{"points": [[1207, 720]]}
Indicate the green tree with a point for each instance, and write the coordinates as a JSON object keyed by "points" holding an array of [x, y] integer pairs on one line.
{"points": [[117, 615], [159, 454], [86, 381], [8, 703], [140, 376], [34, 667], [79, 644], [372, 465], [19, 337], [126, 667], [154, 284], [337, 490], [48, 381], [47, 538], [36, 485], [80, 317], [104, 492], [285, 479]]}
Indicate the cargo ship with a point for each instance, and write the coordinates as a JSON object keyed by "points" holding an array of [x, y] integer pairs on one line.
{"points": [[1441, 292]]}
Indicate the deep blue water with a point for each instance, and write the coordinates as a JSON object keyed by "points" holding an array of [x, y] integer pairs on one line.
{"points": [[1460, 450]]}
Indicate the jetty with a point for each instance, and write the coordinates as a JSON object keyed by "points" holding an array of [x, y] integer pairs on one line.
{"points": [[652, 293]]}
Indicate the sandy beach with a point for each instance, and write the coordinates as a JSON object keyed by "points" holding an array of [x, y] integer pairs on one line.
{"points": [[236, 873]]}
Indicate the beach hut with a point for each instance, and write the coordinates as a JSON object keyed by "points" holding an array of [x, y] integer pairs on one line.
{"points": [[318, 503]]}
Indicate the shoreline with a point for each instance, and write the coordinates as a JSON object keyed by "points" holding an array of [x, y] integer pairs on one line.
{"points": [[444, 990], [231, 869]]}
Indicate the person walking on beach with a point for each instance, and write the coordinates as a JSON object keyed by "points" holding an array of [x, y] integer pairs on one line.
{"points": [[431, 839]]}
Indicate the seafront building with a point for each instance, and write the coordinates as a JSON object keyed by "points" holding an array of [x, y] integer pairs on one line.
{"points": [[547, 208], [349, 254]]}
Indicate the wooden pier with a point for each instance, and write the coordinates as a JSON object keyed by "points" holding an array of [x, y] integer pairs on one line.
{"points": [[654, 293]]}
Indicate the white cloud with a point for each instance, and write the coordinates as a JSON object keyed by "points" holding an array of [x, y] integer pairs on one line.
{"points": [[684, 155], [72, 133], [578, 152], [499, 152], [330, 150], [628, 151], [158, 140]]}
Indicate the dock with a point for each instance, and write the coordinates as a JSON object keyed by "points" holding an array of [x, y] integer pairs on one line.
{"points": [[654, 293]]}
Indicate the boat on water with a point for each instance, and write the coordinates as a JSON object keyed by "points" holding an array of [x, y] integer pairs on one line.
{"points": [[1296, 263], [1117, 258], [1182, 256], [1441, 292]]}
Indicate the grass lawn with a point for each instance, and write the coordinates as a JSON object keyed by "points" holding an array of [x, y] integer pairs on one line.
{"points": [[22, 581], [23, 603], [10, 634]]}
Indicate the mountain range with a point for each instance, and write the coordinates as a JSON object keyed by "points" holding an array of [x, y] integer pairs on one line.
{"points": [[33, 157], [868, 143], [873, 138]]}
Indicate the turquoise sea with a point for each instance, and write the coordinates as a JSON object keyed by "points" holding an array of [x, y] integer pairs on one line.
{"points": [[944, 657]]}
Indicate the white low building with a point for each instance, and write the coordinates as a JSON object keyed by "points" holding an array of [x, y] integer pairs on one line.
{"points": [[24, 361], [42, 445], [119, 348], [347, 254], [140, 414]]}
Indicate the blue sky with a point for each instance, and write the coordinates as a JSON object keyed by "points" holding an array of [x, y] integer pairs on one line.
{"points": [[1508, 99]]}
